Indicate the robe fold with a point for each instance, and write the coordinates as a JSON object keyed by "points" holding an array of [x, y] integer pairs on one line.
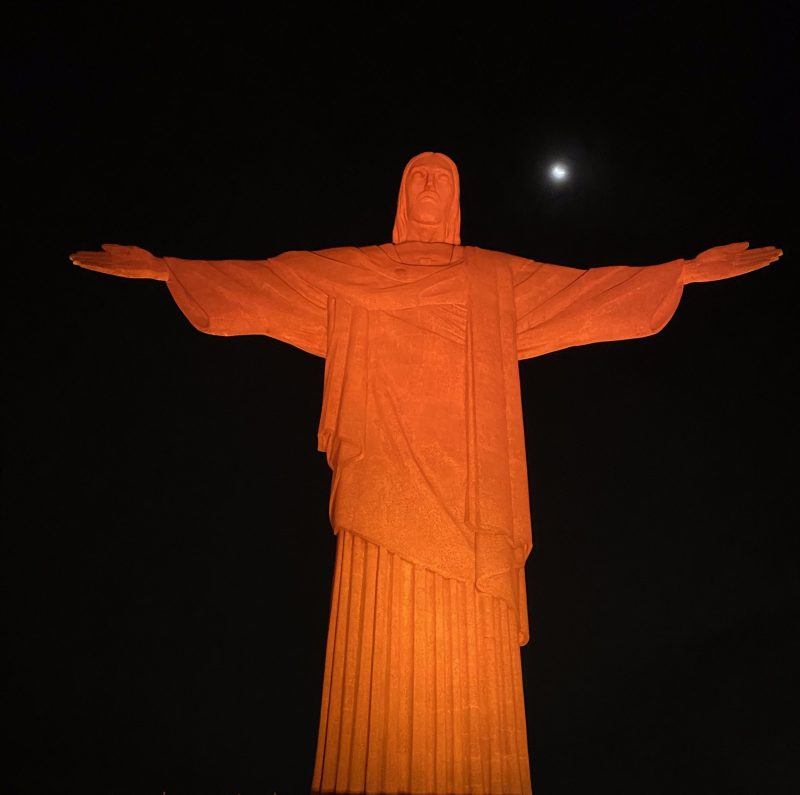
{"points": [[422, 426]]}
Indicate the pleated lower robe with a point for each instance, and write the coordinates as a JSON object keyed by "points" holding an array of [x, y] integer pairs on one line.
{"points": [[422, 691]]}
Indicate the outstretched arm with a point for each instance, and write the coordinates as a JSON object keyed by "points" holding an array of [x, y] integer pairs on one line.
{"points": [[559, 307], [276, 297]]}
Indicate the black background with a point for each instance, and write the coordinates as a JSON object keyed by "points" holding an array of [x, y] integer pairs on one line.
{"points": [[168, 557]]}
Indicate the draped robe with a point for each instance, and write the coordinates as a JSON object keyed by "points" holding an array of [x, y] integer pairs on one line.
{"points": [[422, 426]]}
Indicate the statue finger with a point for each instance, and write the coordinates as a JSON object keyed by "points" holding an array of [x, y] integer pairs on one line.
{"points": [[94, 257], [766, 251], [759, 254], [732, 247]]}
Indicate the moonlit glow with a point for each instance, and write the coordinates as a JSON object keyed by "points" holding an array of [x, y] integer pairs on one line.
{"points": [[558, 172]]}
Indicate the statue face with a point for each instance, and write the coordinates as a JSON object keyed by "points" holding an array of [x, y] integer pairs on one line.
{"points": [[429, 191]]}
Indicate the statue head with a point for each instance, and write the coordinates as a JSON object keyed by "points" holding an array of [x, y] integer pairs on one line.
{"points": [[428, 207]]}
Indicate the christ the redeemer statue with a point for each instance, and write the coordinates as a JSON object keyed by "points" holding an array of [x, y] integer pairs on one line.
{"points": [[422, 426]]}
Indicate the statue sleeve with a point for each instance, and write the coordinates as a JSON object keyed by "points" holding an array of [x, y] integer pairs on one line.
{"points": [[276, 297], [558, 307]]}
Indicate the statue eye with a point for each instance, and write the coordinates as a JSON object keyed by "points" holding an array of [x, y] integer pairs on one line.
{"points": [[444, 177]]}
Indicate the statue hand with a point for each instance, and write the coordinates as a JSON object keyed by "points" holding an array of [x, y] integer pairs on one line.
{"points": [[131, 262], [722, 262]]}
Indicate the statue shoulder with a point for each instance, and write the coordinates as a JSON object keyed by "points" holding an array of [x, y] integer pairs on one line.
{"points": [[500, 257], [341, 253]]}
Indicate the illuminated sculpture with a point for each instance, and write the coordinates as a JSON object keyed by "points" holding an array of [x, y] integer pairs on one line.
{"points": [[422, 426]]}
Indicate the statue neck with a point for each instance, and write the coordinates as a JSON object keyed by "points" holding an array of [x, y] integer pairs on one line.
{"points": [[425, 233], [416, 252]]}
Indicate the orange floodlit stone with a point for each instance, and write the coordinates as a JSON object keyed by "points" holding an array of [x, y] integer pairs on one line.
{"points": [[422, 426]]}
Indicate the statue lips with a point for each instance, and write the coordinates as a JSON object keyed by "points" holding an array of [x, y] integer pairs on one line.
{"points": [[429, 200]]}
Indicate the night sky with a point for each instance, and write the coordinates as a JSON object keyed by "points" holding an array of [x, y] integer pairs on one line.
{"points": [[168, 556]]}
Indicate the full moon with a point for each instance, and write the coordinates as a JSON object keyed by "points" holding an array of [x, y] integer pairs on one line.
{"points": [[558, 172]]}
